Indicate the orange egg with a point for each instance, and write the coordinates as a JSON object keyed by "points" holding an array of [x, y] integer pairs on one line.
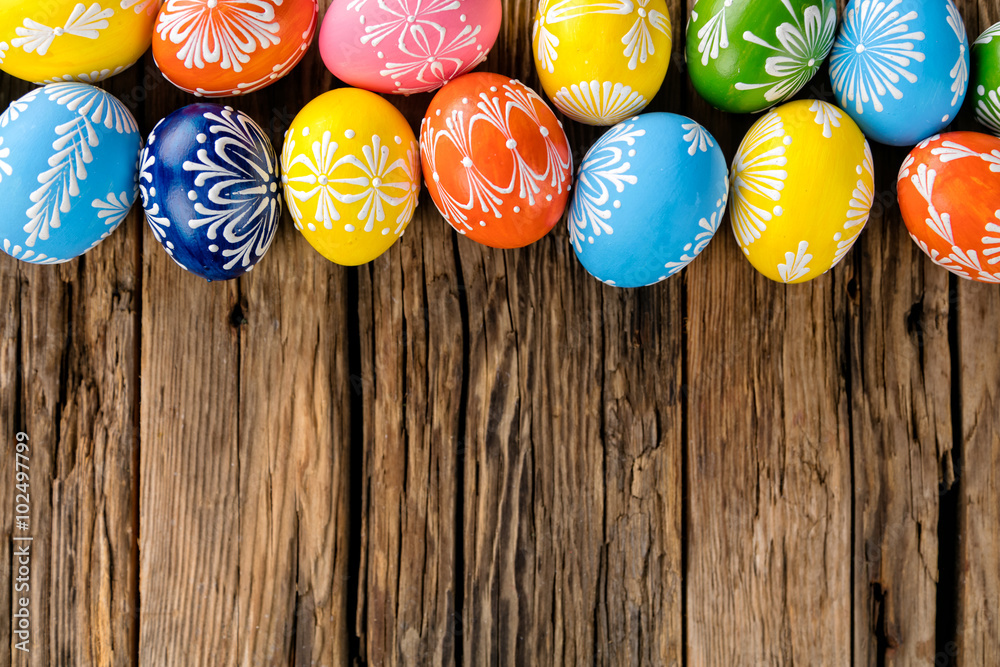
{"points": [[949, 195], [217, 48], [496, 160]]}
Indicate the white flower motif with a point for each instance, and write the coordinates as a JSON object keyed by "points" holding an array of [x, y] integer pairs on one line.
{"points": [[988, 109], [638, 40], [374, 181], [436, 57], [597, 104], [713, 36], [100, 107], [859, 208], [18, 107], [827, 115], [873, 53], [227, 33], [960, 72], [95, 76], [411, 169], [4, 166], [709, 227], [242, 171], [151, 6], [940, 223], [989, 34], [604, 169], [796, 264], [4, 47], [320, 166], [949, 151], [82, 22], [994, 252], [698, 138], [802, 47], [761, 172], [114, 209], [904, 169]]}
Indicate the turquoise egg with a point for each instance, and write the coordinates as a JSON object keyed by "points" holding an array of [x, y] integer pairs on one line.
{"points": [[68, 171], [649, 197], [900, 68]]}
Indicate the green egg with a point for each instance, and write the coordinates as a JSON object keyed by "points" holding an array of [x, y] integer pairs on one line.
{"points": [[986, 78], [747, 55]]}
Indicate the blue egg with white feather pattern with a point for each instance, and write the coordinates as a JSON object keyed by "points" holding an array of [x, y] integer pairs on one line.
{"points": [[649, 197], [68, 155], [211, 190], [900, 68]]}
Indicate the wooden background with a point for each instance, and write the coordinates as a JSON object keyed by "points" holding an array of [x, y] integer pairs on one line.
{"points": [[456, 455]]}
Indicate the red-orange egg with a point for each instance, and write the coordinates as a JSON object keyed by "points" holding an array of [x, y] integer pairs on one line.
{"points": [[496, 160], [949, 195], [217, 48]]}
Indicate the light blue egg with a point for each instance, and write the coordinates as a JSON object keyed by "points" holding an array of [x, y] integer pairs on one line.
{"points": [[68, 171], [900, 68], [649, 197]]}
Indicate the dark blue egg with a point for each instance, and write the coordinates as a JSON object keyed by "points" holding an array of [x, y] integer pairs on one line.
{"points": [[210, 189]]}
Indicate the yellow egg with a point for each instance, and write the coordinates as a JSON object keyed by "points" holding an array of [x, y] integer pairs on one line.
{"points": [[351, 175], [601, 61], [801, 190], [64, 40]]}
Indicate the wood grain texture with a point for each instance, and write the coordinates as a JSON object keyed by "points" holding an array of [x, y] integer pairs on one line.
{"points": [[190, 538], [979, 497], [901, 379]]}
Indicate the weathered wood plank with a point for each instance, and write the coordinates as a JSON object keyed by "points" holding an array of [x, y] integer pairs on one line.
{"points": [[190, 542], [978, 355], [77, 340], [979, 493], [294, 459], [901, 381], [768, 532], [411, 383]]}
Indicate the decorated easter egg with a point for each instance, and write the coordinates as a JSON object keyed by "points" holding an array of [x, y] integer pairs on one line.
{"points": [[210, 190], [900, 68], [745, 56], [801, 190], [68, 155], [351, 175], [649, 197], [601, 62], [218, 48], [66, 40], [949, 195], [496, 160], [986, 78], [407, 46]]}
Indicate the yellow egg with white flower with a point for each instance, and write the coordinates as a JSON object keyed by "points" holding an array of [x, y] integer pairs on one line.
{"points": [[601, 61], [351, 175], [66, 40], [801, 190]]}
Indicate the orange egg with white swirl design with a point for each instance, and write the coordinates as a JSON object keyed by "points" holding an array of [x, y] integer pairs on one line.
{"points": [[218, 48], [496, 160]]}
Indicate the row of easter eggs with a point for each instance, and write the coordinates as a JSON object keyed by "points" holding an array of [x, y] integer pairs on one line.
{"points": [[650, 195], [900, 68], [218, 48]]}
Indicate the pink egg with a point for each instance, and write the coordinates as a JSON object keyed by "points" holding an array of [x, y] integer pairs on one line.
{"points": [[407, 46]]}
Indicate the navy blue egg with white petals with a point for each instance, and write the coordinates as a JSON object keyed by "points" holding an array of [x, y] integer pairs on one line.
{"points": [[900, 68], [210, 188], [649, 197]]}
